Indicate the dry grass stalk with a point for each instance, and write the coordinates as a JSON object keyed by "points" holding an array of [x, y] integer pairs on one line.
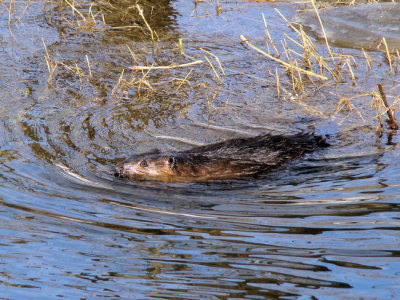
{"points": [[85, 22], [285, 50], [346, 102], [141, 14], [278, 90], [184, 79], [295, 53], [287, 65], [182, 51], [269, 37], [368, 59], [323, 29], [132, 54], [173, 66], [180, 43], [144, 81], [119, 83], [353, 78], [217, 60], [121, 27], [310, 51], [293, 80], [300, 85], [51, 65], [306, 56], [74, 9], [287, 21], [218, 8], [88, 63], [10, 9], [76, 69], [295, 42], [389, 59], [379, 101], [334, 73], [212, 67], [124, 85]]}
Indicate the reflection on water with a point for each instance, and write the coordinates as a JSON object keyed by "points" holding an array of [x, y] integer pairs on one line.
{"points": [[323, 226], [361, 26]]}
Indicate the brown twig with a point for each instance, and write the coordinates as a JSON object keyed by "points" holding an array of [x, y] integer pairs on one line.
{"points": [[392, 121]]}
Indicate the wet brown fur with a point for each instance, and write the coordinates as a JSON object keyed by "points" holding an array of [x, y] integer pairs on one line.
{"points": [[225, 160]]}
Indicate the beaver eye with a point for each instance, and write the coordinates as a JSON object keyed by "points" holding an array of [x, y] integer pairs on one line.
{"points": [[143, 163]]}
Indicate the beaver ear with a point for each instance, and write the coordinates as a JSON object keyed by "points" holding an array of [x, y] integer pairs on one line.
{"points": [[172, 162]]}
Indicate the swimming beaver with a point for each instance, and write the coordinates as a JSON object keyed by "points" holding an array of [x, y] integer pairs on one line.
{"points": [[225, 160]]}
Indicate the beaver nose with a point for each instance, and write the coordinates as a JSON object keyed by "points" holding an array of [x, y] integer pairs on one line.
{"points": [[119, 171]]}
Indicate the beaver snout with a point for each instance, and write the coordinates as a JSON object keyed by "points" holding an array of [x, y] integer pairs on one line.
{"points": [[119, 171]]}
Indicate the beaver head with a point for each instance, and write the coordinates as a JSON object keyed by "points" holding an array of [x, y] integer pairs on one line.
{"points": [[146, 166]]}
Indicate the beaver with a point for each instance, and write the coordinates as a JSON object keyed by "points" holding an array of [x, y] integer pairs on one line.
{"points": [[230, 159]]}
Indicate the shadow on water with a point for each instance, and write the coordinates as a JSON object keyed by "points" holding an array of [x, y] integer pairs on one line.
{"points": [[322, 226]]}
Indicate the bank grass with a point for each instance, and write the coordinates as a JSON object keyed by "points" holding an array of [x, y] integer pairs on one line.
{"points": [[301, 59], [298, 62], [308, 65], [137, 77], [207, 59]]}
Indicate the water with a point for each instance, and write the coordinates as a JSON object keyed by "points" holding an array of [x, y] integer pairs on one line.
{"points": [[326, 226], [361, 26]]}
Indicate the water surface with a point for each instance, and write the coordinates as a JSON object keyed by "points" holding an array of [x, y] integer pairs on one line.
{"points": [[325, 226]]}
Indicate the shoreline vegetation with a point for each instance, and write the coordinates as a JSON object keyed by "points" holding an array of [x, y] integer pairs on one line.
{"points": [[298, 64]]}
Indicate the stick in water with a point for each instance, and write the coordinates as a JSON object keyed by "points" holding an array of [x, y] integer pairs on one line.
{"points": [[392, 121]]}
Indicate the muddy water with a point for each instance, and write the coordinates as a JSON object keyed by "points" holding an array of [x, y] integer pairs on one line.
{"points": [[324, 226]]}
